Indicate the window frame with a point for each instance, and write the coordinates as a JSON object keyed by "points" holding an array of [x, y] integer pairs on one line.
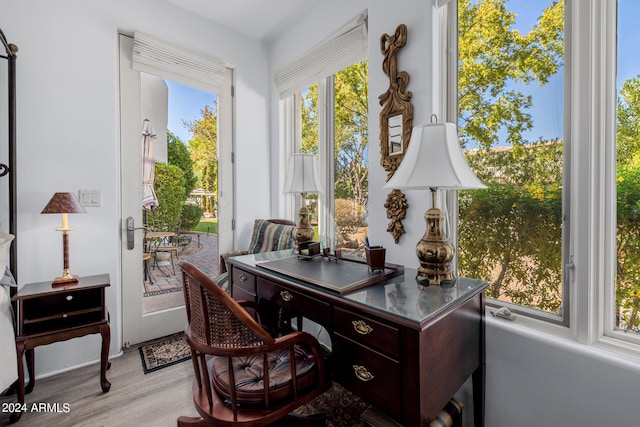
{"points": [[589, 196], [290, 108]]}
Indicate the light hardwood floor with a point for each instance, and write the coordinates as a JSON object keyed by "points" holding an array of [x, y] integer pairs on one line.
{"points": [[156, 399]]}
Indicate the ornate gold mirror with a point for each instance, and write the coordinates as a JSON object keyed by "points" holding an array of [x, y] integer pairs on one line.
{"points": [[396, 116], [394, 129], [396, 119]]}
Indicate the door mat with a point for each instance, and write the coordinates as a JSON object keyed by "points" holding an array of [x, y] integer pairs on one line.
{"points": [[164, 352], [162, 292]]}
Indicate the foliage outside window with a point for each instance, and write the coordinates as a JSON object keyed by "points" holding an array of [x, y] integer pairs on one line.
{"points": [[189, 166], [169, 188], [178, 155], [349, 164], [511, 233], [627, 290], [203, 147]]}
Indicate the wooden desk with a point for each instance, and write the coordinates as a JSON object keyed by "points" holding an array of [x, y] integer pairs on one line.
{"points": [[401, 347], [47, 315]]}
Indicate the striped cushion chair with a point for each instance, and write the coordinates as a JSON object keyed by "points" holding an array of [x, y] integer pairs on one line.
{"points": [[271, 235], [268, 235]]}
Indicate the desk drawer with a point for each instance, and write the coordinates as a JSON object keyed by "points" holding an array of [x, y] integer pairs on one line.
{"points": [[244, 284], [295, 302], [374, 377], [366, 331]]}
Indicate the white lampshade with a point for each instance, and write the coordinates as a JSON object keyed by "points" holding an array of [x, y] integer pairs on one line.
{"points": [[303, 175], [434, 159]]}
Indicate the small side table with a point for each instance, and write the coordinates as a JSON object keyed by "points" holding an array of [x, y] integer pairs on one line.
{"points": [[47, 315]]}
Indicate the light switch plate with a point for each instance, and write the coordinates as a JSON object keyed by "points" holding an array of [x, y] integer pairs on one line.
{"points": [[90, 198]]}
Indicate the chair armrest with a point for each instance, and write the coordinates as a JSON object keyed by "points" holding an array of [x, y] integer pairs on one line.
{"points": [[223, 259]]}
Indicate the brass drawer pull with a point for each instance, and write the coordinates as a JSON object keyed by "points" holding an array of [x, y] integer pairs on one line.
{"points": [[242, 277], [286, 296], [361, 327], [64, 315], [362, 373]]}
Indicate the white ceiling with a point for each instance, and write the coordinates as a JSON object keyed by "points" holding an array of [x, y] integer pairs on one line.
{"points": [[259, 19]]}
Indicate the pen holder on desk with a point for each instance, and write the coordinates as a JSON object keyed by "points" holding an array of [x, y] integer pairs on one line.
{"points": [[375, 257]]}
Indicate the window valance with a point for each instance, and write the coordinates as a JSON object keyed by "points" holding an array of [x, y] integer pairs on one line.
{"points": [[344, 47], [167, 60]]}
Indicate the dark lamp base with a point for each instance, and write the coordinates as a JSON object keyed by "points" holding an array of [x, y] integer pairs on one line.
{"points": [[65, 281]]}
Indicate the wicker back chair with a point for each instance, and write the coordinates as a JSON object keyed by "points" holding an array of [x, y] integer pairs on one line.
{"points": [[232, 387]]}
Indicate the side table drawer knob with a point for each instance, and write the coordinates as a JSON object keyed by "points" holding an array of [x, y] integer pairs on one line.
{"points": [[64, 315], [362, 373], [242, 277], [286, 296], [361, 327], [69, 297]]}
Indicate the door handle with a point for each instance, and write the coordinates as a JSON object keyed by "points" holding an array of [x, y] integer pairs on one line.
{"points": [[130, 236]]}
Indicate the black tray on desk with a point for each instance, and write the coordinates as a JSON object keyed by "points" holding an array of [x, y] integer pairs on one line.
{"points": [[345, 275]]}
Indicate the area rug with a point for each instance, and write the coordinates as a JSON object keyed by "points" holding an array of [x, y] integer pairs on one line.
{"points": [[342, 408], [164, 352]]}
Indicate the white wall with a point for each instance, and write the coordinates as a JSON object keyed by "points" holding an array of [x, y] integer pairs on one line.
{"points": [[535, 378], [68, 133]]}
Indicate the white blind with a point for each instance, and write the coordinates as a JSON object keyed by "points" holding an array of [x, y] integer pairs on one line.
{"points": [[343, 48], [161, 58]]}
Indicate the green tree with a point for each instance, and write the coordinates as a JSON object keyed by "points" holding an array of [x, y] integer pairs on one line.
{"points": [[510, 233], [492, 56], [350, 131], [169, 188], [309, 111], [203, 147], [628, 116], [628, 206], [178, 155]]}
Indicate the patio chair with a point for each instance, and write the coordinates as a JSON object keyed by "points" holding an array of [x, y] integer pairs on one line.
{"points": [[161, 246]]}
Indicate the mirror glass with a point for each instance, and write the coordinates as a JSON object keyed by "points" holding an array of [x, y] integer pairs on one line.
{"points": [[395, 135]]}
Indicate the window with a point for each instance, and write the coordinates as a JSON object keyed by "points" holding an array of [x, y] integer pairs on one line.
{"points": [[627, 290], [339, 136], [510, 120], [325, 112], [595, 253]]}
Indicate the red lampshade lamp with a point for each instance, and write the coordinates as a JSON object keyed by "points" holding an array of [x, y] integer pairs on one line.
{"points": [[64, 203]]}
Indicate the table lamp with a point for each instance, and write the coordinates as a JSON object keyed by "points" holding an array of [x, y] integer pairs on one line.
{"points": [[64, 203], [303, 179], [434, 160]]}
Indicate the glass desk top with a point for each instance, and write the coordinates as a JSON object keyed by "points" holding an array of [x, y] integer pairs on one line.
{"points": [[400, 295]]}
